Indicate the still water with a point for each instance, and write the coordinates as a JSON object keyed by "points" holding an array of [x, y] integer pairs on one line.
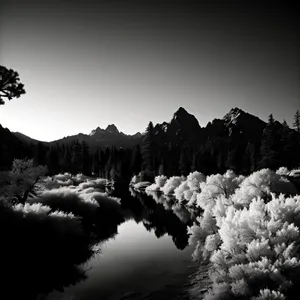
{"points": [[148, 258]]}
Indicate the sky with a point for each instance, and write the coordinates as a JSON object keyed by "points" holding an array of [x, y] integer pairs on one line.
{"points": [[93, 63]]}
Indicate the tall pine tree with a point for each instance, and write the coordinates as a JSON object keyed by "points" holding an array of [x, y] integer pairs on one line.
{"points": [[296, 122], [147, 149]]}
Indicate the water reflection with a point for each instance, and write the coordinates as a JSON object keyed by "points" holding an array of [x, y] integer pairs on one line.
{"points": [[57, 264], [163, 221]]}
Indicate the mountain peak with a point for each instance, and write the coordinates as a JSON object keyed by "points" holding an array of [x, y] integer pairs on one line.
{"points": [[112, 128], [181, 111], [232, 115], [98, 130]]}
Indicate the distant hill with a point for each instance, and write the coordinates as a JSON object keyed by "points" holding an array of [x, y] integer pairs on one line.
{"points": [[26, 139]]}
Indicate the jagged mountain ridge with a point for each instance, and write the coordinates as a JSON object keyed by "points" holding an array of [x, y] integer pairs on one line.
{"points": [[108, 137], [236, 125]]}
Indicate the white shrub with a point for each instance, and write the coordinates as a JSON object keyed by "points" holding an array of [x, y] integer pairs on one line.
{"points": [[159, 183], [171, 184]]}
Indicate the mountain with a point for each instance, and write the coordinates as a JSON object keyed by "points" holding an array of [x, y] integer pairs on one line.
{"points": [[236, 123], [109, 137], [183, 127]]}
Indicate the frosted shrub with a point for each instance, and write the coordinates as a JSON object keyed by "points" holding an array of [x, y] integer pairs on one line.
{"points": [[193, 200], [159, 183], [35, 208], [216, 185], [295, 173], [37, 215], [261, 183], [95, 183], [67, 200], [180, 190], [79, 178], [62, 177], [101, 199], [171, 184], [194, 179], [250, 246], [249, 232], [267, 294], [283, 171]]}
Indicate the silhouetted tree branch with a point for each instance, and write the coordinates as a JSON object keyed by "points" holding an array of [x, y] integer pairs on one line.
{"points": [[10, 85]]}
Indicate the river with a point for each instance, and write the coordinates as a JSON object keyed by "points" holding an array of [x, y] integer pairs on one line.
{"points": [[148, 258]]}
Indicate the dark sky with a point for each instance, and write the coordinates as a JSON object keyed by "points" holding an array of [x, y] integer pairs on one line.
{"points": [[92, 63]]}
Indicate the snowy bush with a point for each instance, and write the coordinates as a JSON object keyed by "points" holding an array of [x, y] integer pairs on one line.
{"points": [[194, 180], [216, 185], [171, 184], [180, 190], [95, 183], [283, 171], [67, 200], [159, 183], [37, 214], [249, 233], [261, 183], [62, 177], [100, 199]]}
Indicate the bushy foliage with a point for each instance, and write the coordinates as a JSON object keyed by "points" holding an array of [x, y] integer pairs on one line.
{"points": [[95, 183], [21, 180], [159, 183], [100, 199], [68, 200], [181, 190], [171, 184], [262, 183], [249, 234], [62, 177]]}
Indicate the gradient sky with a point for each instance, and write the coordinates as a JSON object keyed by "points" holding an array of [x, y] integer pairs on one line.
{"points": [[93, 63]]}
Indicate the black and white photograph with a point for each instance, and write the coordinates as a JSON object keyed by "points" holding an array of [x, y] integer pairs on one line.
{"points": [[149, 150]]}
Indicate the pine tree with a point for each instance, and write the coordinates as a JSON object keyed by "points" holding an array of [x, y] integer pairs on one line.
{"points": [[53, 160], [136, 160], [66, 162], [95, 165], [232, 159], [76, 157], [86, 167], [161, 169], [184, 162], [249, 159], [296, 123], [147, 148], [10, 85], [39, 155], [270, 146]]}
